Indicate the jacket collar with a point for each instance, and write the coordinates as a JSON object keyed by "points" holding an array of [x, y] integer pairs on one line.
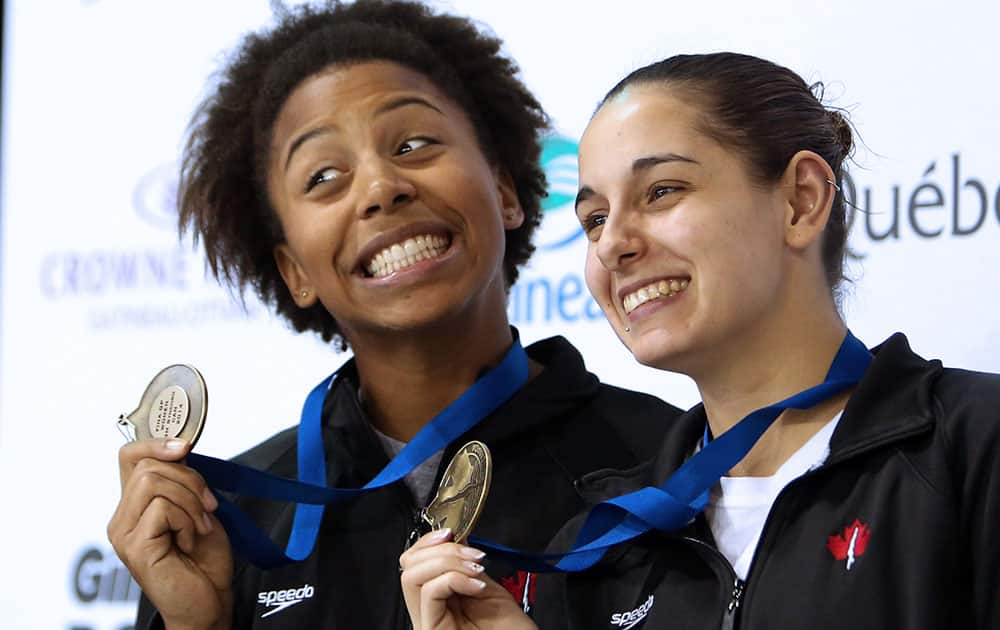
{"points": [[550, 393], [893, 401], [564, 383]]}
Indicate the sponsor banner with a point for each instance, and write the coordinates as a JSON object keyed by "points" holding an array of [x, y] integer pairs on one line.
{"points": [[98, 292], [102, 593]]}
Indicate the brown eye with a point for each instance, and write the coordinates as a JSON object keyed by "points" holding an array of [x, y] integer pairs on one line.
{"points": [[321, 177], [413, 144], [592, 222], [659, 191]]}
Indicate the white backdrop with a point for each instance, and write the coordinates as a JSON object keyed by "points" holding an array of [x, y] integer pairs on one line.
{"points": [[97, 294]]}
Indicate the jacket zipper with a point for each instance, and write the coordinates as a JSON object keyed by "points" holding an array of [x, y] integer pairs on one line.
{"points": [[832, 461], [731, 616], [735, 598], [732, 603]]}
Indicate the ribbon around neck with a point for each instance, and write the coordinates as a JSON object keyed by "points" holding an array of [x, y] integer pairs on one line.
{"points": [[684, 495], [310, 493]]}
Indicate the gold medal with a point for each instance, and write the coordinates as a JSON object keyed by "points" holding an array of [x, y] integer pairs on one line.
{"points": [[461, 495], [173, 406]]}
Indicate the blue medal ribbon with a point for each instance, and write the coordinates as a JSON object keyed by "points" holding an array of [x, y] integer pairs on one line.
{"points": [[310, 493], [684, 495]]}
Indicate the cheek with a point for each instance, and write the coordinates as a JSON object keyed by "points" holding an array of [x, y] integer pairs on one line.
{"points": [[598, 279], [304, 241], [744, 270]]}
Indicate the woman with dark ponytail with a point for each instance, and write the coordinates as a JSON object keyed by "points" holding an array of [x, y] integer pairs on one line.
{"points": [[819, 484]]}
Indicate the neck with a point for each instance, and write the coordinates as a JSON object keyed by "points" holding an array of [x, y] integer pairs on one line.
{"points": [[407, 379], [778, 359]]}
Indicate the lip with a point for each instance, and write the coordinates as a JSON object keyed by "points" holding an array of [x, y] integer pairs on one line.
{"points": [[632, 287], [398, 235], [647, 308]]}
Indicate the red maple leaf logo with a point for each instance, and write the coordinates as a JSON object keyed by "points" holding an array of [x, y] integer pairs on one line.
{"points": [[521, 586], [851, 544]]}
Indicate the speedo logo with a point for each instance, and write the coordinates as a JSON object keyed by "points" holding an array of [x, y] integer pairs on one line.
{"points": [[629, 619], [276, 601]]}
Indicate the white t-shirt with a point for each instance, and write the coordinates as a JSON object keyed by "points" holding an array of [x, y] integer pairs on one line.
{"points": [[738, 506]]}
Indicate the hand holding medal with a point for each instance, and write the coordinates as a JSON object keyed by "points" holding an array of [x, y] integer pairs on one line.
{"points": [[163, 528], [181, 555], [437, 568]]}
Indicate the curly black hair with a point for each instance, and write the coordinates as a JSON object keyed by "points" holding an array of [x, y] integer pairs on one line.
{"points": [[223, 194]]}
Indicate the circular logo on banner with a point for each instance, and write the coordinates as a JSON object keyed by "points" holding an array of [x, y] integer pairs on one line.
{"points": [[560, 226], [155, 196]]}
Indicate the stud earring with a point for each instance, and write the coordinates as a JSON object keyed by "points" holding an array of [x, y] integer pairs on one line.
{"points": [[304, 294], [627, 329]]}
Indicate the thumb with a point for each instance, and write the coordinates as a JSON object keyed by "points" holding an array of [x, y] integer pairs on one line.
{"points": [[167, 449]]}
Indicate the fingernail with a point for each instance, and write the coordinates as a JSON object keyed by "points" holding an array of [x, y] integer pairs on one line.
{"points": [[209, 499], [174, 444], [441, 534], [207, 520], [470, 552], [472, 566], [478, 583]]}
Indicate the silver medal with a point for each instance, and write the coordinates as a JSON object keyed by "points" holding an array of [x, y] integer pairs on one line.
{"points": [[174, 405]]}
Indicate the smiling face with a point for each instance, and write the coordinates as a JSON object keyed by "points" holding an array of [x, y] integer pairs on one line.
{"points": [[392, 215], [685, 249]]}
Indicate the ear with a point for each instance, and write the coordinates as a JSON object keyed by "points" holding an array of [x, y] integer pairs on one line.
{"points": [[810, 191], [513, 213], [294, 276]]}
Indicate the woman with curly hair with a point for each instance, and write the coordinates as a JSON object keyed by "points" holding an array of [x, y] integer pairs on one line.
{"points": [[819, 484], [371, 171]]}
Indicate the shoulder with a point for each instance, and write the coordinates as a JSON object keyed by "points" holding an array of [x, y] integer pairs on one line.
{"points": [[599, 417], [618, 399], [564, 363], [902, 381], [968, 390], [967, 404], [963, 404]]}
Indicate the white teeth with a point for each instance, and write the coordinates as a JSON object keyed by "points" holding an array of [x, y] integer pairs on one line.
{"points": [[401, 255], [661, 288]]}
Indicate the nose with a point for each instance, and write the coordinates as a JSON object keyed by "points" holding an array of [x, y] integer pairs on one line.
{"points": [[619, 243], [383, 188]]}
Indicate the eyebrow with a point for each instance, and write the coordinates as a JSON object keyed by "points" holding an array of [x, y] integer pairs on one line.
{"points": [[646, 163], [298, 142], [639, 165], [403, 101], [385, 108], [585, 193]]}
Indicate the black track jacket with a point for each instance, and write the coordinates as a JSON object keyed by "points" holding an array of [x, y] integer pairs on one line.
{"points": [[899, 529], [561, 440]]}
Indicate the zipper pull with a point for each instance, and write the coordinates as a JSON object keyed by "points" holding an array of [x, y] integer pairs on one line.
{"points": [[736, 596]]}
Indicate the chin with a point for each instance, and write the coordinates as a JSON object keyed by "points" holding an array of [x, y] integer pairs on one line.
{"points": [[651, 359], [658, 349]]}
